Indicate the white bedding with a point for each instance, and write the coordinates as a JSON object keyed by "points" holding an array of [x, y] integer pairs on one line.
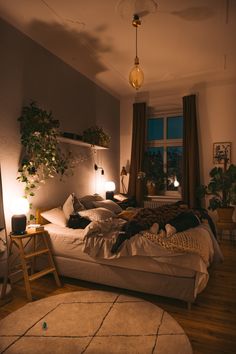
{"points": [[93, 244], [71, 245]]}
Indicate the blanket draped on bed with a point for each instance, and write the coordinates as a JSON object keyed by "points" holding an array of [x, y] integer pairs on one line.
{"points": [[101, 235], [199, 241], [162, 215], [191, 241]]}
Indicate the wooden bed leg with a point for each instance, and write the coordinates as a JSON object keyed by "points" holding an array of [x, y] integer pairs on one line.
{"points": [[189, 305]]}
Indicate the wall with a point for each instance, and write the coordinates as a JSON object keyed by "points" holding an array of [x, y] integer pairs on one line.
{"points": [[29, 72], [216, 114]]}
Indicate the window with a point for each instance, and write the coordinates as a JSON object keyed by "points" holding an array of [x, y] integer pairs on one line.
{"points": [[165, 140]]}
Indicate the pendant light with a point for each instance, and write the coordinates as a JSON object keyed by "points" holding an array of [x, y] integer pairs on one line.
{"points": [[136, 74]]}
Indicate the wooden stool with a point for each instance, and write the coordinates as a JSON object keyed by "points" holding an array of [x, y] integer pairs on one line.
{"points": [[17, 240], [229, 226]]}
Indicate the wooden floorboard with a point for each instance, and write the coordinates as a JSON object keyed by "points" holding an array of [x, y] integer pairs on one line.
{"points": [[210, 324]]}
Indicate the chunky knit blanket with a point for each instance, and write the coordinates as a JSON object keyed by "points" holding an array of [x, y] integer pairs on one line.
{"points": [[146, 217], [189, 241]]}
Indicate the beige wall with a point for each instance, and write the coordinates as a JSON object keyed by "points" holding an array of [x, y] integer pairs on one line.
{"points": [[29, 72], [217, 112]]}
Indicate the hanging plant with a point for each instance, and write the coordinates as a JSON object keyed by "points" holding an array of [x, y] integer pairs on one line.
{"points": [[96, 136], [43, 156]]}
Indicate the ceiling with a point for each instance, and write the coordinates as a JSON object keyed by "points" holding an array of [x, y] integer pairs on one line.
{"points": [[180, 41]]}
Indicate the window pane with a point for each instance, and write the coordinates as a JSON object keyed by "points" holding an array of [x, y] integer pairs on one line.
{"points": [[174, 167], [156, 150], [155, 129], [174, 127]]}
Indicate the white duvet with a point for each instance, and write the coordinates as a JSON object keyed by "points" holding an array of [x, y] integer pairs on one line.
{"points": [[94, 244]]}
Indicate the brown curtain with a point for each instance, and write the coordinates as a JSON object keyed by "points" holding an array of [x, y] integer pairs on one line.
{"points": [[191, 166], [135, 188]]}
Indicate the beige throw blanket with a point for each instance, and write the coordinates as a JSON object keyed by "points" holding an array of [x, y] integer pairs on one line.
{"points": [[100, 236], [189, 241]]}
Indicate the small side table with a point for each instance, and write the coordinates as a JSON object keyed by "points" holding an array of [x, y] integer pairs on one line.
{"points": [[228, 226], [17, 240]]}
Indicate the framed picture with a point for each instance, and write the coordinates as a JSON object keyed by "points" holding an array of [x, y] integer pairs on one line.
{"points": [[221, 151]]}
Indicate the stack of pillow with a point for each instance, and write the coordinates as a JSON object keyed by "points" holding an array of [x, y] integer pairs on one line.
{"points": [[75, 212]]}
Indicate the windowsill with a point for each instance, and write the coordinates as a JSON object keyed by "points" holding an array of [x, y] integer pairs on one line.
{"points": [[174, 197]]}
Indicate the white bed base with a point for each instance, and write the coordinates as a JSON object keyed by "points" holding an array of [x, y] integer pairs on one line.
{"points": [[182, 288]]}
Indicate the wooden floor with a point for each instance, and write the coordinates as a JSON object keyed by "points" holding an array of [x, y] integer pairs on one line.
{"points": [[210, 324]]}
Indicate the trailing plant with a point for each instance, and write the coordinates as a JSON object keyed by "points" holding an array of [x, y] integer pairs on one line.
{"points": [[96, 136], [43, 157]]}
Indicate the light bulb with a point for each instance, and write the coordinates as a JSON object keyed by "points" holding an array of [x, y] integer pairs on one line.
{"points": [[136, 77], [20, 206], [110, 186], [176, 183]]}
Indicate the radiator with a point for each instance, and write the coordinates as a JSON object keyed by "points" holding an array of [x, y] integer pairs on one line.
{"points": [[158, 202]]}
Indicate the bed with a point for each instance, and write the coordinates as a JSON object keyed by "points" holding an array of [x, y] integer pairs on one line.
{"points": [[144, 263]]}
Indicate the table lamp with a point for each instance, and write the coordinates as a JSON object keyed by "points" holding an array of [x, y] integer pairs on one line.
{"points": [[123, 173], [109, 188], [20, 207]]}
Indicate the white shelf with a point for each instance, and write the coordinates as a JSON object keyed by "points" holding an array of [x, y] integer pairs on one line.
{"points": [[62, 139]]}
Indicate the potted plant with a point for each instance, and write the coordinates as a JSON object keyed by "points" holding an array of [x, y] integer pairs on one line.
{"points": [[96, 136], [222, 188], [154, 174]]}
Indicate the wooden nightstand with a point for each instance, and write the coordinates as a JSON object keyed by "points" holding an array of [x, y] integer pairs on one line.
{"points": [[27, 259], [228, 226]]}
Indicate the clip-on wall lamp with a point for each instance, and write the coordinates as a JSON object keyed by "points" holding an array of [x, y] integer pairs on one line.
{"points": [[96, 167]]}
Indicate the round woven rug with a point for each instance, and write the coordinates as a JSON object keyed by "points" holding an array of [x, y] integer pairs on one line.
{"points": [[92, 322]]}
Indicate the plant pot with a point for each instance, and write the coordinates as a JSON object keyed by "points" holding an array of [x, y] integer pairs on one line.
{"points": [[225, 214], [151, 188]]}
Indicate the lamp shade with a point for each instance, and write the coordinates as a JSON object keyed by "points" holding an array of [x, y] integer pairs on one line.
{"points": [[123, 171]]}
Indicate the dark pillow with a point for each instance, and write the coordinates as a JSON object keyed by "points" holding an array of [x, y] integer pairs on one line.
{"points": [[185, 221], [77, 222], [77, 205], [88, 200]]}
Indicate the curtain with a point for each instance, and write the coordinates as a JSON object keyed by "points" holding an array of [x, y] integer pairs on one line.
{"points": [[135, 188], [191, 165]]}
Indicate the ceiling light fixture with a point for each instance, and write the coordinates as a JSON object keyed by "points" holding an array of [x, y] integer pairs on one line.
{"points": [[136, 74]]}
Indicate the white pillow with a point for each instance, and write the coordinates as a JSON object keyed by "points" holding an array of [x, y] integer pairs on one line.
{"points": [[68, 207], [55, 216], [110, 205], [97, 214]]}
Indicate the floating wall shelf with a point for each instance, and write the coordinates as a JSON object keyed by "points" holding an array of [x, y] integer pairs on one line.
{"points": [[62, 139]]}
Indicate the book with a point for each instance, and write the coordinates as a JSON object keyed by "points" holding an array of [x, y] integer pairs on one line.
{"points": [[35, 228]]}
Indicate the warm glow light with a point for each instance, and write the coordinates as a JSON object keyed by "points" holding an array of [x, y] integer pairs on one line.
{"points": [[136, 77], [110, 186], [20, 206], [176, 183]]}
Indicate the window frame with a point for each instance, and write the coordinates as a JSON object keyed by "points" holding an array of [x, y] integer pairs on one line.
{"points": [[165, 142]]}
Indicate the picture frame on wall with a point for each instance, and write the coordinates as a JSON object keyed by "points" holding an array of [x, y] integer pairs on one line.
{"points": [[222, 151]]}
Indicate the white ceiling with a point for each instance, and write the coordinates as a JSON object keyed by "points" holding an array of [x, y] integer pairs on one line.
{"points": [[183, 41]]}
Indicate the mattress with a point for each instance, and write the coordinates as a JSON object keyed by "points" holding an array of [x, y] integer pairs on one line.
{"points": [[69, 243]]}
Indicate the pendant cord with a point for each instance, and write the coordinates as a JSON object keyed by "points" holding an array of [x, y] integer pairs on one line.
{"points": [[136, 28]]}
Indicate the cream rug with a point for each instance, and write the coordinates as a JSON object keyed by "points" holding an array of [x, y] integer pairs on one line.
{"points": [[92, 322]]}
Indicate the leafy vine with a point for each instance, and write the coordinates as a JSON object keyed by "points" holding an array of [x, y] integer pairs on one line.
{"points": [[43, 157]]}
